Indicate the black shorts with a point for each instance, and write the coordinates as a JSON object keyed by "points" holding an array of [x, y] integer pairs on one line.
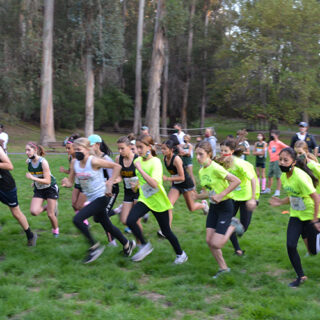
{"points": [[78, 186], [219, 216], [47, 193], [183, 187], [9, 198], [130, 196], [260, 164]]}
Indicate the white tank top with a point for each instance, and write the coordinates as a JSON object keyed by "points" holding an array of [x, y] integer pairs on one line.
{"points": [[91, 181]]}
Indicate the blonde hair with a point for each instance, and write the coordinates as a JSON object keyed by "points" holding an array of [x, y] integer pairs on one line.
{"points": [[188, 137], [148, 141], [303, 145], [85, 143]]}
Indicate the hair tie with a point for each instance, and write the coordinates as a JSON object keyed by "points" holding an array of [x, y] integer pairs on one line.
{"points": [[34, 145]]}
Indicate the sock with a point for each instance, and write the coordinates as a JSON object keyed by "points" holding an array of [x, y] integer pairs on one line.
{"points": [[264, 180], [55, 231], [29, 234]]}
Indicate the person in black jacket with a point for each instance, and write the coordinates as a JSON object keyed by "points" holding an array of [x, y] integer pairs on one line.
{"points": [[305, 136]]}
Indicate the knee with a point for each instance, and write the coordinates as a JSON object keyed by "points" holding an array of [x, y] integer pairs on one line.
{"points": [[34, 212], [123, 220], [96, 218], [76, 221], [291, 247]]}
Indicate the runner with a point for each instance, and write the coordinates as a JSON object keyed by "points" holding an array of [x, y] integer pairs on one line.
{"points": [[244, 195], [181, 181], [88, 169], [152, 197], [44, 185], [299, 183], [217, 185], [8, 196], [186, 153], [78, 198], [260, 151]]}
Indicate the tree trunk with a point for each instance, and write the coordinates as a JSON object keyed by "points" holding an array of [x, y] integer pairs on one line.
{"points": [[89, 123], [188, 67], [165, 88], [305, 116], [138, 95], [204, 71], [156, 69], [46, 115]]}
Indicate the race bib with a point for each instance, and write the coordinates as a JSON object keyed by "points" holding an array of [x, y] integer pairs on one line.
{"points": [[127, 182], [41, 185], [176, 182], [297, 203], [148, 191], [211, 193]]}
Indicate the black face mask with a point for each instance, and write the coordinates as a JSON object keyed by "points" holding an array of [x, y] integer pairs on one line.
{"points": [[302, 157], [271, 138], [286, 169], [32, 158], [79, 156]]}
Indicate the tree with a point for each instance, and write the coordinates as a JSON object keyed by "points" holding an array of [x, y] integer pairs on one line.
{"points": [[138, 94], [47, 120], [156, 69]]}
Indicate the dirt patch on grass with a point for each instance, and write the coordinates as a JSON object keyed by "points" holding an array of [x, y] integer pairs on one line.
{"points": [[276, 272], [144, 279], [20, 315], [2, 257], [35, 289], [153, 296], [212, 299], [70, 295]]}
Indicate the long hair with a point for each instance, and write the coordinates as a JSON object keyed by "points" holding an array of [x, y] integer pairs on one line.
{"points": [[303, 145], [227, 162], [206, 146], [148, 141], [300, 164], [39, 148]]}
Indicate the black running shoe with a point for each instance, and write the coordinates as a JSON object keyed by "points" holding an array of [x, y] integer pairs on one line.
{"points": [[33, 241], [94, 253], [128, 251], [296, 283]]}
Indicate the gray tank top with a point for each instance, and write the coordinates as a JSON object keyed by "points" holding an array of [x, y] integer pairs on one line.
{"points": [[91, 181]]}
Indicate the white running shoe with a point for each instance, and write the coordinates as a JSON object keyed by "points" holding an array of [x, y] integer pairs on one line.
{"points": [[112, 243], [206, 207], [143, 252], [276, 193], [266, 191], [118, 209], [181, 258]]}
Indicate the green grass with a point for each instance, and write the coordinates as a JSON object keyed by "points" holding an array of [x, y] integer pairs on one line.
{"points": [[50, 282]]}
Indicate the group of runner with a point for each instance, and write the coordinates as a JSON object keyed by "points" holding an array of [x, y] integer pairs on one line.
{"points": [[227, 181]]}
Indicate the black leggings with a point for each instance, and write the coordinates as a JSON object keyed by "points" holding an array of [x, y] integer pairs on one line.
{"points": [[296, 227], [97, 208], [245, 219], [138, 211]]}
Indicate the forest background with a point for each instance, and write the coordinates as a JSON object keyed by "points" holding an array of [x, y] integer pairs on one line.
{"points": [[155, 62]]}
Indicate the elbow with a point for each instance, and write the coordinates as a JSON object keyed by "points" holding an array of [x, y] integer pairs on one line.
{"points": [[10, 167]]}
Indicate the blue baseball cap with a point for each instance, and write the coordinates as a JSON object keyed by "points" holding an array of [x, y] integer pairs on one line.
{"points": [[94, 138]]}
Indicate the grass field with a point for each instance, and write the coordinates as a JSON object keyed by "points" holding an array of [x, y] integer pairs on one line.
{"points": [[50, 281]]}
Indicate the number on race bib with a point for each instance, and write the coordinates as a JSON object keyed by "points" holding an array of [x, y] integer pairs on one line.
{"points": [[41, 185], [176, 182]]}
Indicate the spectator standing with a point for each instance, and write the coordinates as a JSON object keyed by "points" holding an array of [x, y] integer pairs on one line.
{"points": [[209, 136], [4, 138], [303, 135], [179, 133]]}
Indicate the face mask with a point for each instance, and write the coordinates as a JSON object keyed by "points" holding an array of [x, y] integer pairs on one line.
{"points": [[286, 169], [226, 154], [147, 154], [271, 137], [259, 138], [302, 157], [79, 156], [207, 135], [176, 131], [185, 141], [32, 158]]}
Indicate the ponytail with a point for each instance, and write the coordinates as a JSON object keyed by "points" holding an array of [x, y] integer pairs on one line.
{"points": [[39, 148]]}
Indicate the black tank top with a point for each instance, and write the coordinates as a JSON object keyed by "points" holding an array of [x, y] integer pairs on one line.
{"points": [[7, 182], [127, 172], [172, 168]]}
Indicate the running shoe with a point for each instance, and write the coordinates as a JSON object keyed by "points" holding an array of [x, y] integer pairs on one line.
{"points": [[118, 209], [296, 283], [206, 207], [127, 252], [94, 253], [33, 241], [276, 193], [238, 227], [112, 243], [181, 258], [266, 191], [145, 218], [127, 230], [221, 272], [55, 232], [160, 234], [144, 250]]}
